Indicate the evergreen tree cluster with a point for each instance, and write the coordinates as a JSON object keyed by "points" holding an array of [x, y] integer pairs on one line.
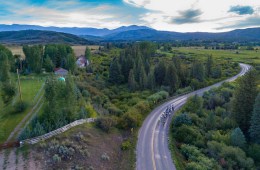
{"points": [[140, 69], [244, 99], [135, 67], [7, 85], [49, 57]]}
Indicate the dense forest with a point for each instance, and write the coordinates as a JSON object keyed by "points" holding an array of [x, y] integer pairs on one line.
{"points": [[219, 130], [48, 57]]}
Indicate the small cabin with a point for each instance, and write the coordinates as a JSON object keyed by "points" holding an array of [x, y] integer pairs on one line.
{"points": [[61, 72]]}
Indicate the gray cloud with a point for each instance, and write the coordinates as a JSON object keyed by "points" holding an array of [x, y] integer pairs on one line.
{"points": [[249, 22], [188, 16], [241, 10]]}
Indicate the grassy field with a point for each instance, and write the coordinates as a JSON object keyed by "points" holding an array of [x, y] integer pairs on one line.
{"points": [[245, 56], [79, 49], [16, 50], [30, 86]]}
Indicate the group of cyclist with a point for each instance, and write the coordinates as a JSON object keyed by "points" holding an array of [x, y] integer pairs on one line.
{"points": [[166, 114]]}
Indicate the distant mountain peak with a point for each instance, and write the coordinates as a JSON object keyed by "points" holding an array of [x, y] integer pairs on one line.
{"points": [[72, 30]]}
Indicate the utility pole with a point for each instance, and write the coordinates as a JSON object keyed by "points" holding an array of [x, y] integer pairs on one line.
{"points": [[19, 84]]}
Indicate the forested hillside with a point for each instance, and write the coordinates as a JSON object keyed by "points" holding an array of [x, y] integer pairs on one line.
{"points": [[39, 37]]}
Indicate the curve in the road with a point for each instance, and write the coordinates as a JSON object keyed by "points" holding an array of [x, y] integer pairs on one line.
{"points": [[152, 146]]}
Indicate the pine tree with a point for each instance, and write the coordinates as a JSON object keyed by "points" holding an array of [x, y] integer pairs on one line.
{"points": [[4, 67], [211, 121], [171, 78], [244, 99], [34, 57], [147, 66], [142, 79], [48, 64], [88, 54], [70, 62], [114, 72], [182, 71], [237, 138], [137, 68], [255, 122], [131, 81], [209, 66], [71, 100], [159, 73], [151, 80], [198, 71]]}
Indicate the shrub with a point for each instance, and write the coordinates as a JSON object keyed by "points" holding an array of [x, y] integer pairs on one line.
{"points": [[114, 110], [79, 137], [66, 152], [184, 90], [20, 106], [84, 152], [85, 93], [187, 134], [131, 119], [220, 136], [194, 104], [195, 166], [8, 92], [228, 123], [126, 145], [182, 119], [254, 152], [106, 123], [157, 97], [91, 111], [105, 157], [90, 168], [233, 156], [56, 158], [197, 159], [143, 107]]}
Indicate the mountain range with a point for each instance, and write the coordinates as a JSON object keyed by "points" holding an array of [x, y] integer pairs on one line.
{"points": [[71, 30], [35, 34]]}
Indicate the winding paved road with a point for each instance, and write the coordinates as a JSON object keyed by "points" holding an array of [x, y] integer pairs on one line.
{"points": [[152, 146]]}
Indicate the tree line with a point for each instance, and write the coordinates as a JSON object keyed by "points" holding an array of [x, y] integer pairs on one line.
{"points": [[8, 88], [48, 57], [137, 67]]}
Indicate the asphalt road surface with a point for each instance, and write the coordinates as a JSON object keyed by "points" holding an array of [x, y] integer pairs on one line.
{"points": [[152, 146]]}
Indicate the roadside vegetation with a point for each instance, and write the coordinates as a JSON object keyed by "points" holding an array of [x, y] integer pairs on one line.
{"points": [[219, 129]]}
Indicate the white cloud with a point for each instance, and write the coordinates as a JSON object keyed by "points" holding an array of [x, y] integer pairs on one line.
{"points": [[214, 14], [172, 15], [81, 15]]}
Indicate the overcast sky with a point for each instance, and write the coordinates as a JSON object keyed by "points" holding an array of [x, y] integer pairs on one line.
{"points": [[170, 15]]}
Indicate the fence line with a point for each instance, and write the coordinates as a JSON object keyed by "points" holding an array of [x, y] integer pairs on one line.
{"points": [[56, 132]]}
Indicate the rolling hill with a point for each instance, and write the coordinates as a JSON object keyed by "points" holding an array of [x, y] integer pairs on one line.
{"points": [[250, 34], [71, 30], [39, 37]]}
